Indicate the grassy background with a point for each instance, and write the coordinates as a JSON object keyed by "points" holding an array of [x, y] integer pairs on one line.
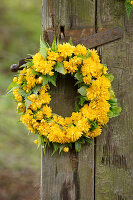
{"points": [[20, 31]]}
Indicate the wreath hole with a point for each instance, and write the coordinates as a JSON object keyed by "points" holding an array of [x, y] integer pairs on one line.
{"points": [[63, 96]]}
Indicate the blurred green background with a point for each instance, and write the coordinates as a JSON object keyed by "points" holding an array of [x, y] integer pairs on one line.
{"points": [[20, 30]]}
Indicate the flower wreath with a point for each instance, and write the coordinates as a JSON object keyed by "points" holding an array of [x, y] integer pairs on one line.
{"points": [[97, 102]]}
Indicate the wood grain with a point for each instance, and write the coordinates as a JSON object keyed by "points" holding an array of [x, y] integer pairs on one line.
{"points": [[114, 152], [70, 177]]}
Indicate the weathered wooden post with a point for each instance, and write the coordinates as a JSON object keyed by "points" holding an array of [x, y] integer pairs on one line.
{"points": [[102, 171], [71, 176]]}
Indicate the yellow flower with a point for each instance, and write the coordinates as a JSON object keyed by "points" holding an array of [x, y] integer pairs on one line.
{"points": [[41, 65], [16, 94], [47, 111], [87, 79], [80, 50], [39, 80], [35, 141], [60, 120], [65, 50], [94, 55], [72, 65], [66, 149], [21, 107], [131, 2], [76, 116], [45, 98], [52, 55], [99, 89], [35, 124], [27, 120], [97, 110], [32, 97], [95, 133], [39, 115], [83, 125], [72, 134], [15, 79], [92, 68]]}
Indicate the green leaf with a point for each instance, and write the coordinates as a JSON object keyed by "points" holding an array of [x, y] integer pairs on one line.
{"points": [[11, 90], [113, 102], [81, 140], [94, 125], [40, 141], [70, 41], [78, 76], [116, 111], [58, 41], [112, 94], [129, 7], [88, 139], [52, 79], [82, 90], [88, 54], [82, 100], [77, 146], [70, 125], [76, 107], [61, 148], [12, 85], [110, 114], [45, 80], [109, 76], [43, 48], [28, 102], [60, 68], [56, 147], [54, 46], [36, 89]]}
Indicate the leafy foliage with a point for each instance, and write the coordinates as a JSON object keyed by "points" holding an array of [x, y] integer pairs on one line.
{"points": [[43, 48], [110, 77], [129, 7], [60, 68], [54, 45], [82, 90], [49, 79], [12, 86], [114, 110], [77, 146]]}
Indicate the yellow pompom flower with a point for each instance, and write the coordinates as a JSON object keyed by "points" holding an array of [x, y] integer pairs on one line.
{"points": [[65, 50], [87, 79], [131, 2], [53, 56], [66, 149], [95, 133], [47, 111], [80, 50], [72, 65], [35, 141], [16, 94], [39, 80], [41, 65], [39, 115], [99, 89], [94, 55], [15, 79]]}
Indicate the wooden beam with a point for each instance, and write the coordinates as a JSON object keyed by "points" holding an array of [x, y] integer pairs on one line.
{"points": [[70, 177]]}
